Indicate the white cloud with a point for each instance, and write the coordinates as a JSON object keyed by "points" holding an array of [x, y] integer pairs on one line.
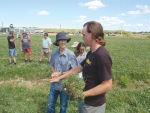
{"points": [[123, 14], [127, 25], [133, 25], [81, 19], [109, 21], [145, 9], [134, 12], [95, 4], [43, 13], [139, 25], [142, 9]]}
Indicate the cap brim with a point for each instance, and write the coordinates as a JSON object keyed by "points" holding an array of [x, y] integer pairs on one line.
{"points": [[68, 40], [73, 46]]}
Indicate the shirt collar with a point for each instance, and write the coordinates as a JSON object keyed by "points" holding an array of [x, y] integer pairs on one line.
{"points": [[64, 53], [83, 54]]}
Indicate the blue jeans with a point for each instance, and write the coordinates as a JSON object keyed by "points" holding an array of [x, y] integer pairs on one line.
{"points": [[52, 98], [12, 52]]}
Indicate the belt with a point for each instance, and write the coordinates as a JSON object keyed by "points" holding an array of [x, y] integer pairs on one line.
{"points": [[45, 48]]}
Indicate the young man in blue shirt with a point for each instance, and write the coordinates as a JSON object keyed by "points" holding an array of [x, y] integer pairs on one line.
{"points": [[62, 60]]}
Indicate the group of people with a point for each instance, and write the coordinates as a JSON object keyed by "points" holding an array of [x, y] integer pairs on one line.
{"points": [[94, 66], [26, 47]]}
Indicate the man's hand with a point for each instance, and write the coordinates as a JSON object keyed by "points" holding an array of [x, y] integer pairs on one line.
{"points": [[21, 48], [55, 74], [56, 79]]}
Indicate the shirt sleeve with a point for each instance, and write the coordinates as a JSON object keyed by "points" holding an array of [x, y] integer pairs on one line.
{"points": [[50, 42], [104, 65], [83, 62], [52, 59], [74, 61], [8, 38]]}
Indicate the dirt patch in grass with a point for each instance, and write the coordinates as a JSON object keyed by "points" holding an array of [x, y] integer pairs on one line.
{"points": [[27, 83], [138, 85]]}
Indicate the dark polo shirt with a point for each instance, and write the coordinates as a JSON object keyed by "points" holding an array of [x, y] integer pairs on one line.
{"points": [[96, 68]]}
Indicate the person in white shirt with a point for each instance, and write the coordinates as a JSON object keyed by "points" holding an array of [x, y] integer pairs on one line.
{"points": [[81, 54], [45, 48]]}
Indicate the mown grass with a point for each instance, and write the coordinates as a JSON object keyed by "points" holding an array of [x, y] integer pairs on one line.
{"points": [[25, 87]]}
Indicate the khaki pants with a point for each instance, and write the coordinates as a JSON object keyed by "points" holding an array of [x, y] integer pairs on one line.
{"points": [[45, 52]]}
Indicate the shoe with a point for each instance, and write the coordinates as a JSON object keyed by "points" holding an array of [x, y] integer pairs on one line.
{"points": [[39, 62], [15, 63], [25, 61], [30, 60], [10, 64]]}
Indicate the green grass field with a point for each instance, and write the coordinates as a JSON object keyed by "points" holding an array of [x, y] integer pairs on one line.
{"points": [[24, 88]]}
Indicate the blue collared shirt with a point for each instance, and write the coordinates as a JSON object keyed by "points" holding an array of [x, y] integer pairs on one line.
{"points": [[62, 63]]}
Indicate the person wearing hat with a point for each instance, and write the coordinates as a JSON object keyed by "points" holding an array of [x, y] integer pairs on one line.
{"points": [[25, 46], [45, 48], [62, 60], [74, 45], [12, 47], [96, 68]]}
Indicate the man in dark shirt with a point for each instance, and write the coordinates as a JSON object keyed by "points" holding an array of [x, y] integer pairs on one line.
{"points": [[12, 47], [96, 70]]}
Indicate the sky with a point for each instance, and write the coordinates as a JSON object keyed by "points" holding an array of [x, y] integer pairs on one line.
{"points": [[129, 15]]}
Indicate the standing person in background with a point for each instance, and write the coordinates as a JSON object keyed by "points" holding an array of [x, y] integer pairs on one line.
{"points": [[81, 54], [25, 46], [62, 60], [74, 45], [12, 47], [45, 48], [96, 69]]}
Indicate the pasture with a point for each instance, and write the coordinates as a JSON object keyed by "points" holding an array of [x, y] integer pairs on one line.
{"points": [[24, 88]]}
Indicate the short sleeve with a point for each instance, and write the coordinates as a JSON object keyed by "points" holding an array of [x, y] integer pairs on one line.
{"points": [[83, 62], [50, 42], [104, 65], [52, 58], [74, 61], [8, 38]]}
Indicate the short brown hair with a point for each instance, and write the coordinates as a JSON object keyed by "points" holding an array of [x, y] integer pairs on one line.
{"points": [[96, 29]]}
